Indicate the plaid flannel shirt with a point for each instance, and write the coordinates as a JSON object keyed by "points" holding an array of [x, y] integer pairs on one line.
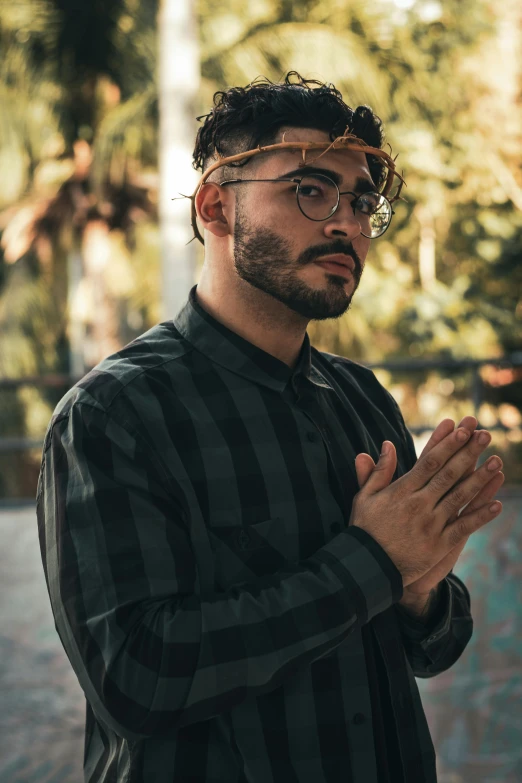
{"points": [[224, 622]]}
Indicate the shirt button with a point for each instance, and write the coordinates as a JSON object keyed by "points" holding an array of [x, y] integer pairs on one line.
{"points": [[358, 718], [243, 540], [313, 437]]}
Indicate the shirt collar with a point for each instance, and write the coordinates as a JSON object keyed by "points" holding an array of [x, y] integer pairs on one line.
{"points": [[226, 348]]}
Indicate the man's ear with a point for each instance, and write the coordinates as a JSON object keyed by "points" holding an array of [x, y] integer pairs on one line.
{"points": [[211, 201]]}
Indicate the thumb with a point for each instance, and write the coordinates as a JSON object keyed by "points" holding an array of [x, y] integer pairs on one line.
{"points": [[376, 476]]}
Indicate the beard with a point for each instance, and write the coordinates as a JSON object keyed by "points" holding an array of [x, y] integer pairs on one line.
{"points": [[265, 259]]}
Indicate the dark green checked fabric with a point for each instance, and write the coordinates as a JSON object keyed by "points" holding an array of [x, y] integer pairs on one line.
{"points": [[224, 623]]}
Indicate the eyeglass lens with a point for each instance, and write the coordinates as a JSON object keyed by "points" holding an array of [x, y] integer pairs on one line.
{"points": [[318, 197]]}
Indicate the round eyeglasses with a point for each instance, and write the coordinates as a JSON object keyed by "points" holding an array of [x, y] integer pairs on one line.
{"points": [[318, 198]]}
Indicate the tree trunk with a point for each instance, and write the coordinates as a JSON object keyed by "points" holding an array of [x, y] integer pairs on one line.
{"points": [[76, 326], [427, 269], [179, 80]]}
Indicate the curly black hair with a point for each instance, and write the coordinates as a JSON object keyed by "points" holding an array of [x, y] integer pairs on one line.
{"points": [[245, 117]]}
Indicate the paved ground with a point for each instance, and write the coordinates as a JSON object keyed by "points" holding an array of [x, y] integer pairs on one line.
{"points": [[474, 710], [42, 715]]}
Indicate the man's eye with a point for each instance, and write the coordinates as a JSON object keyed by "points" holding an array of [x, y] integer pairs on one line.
{"points": [[305, 191], [367, 203]]}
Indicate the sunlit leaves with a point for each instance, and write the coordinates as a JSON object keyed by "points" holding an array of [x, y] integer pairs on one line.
{"points": [[441, 75]]}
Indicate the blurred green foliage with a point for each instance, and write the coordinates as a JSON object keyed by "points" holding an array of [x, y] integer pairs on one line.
{"points": [[79, 146]]}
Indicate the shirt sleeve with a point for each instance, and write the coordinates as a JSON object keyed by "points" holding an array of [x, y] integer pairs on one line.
{"points": [[432, 649], [150, 653]]}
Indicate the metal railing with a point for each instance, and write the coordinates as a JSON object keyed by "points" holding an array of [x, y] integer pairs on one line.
{"points": [[458, 366]]}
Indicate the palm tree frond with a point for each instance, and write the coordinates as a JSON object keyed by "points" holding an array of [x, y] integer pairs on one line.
{"points": [[124, 136], [319, 51]]}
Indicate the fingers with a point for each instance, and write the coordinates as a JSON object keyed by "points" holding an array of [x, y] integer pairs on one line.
{"points": [[439, 469], [470, 522], [470, 422], [465, 490], [486, 494], [445, 427], [440, 432], [382, 473]]}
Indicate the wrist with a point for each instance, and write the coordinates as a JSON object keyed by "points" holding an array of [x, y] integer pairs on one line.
{"points": [[421, 606]]}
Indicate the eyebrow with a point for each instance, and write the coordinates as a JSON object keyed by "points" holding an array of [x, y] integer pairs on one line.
{"points": [[362, 184]]}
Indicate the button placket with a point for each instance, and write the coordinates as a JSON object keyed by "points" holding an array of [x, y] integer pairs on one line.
{"points": [[243, 540]]}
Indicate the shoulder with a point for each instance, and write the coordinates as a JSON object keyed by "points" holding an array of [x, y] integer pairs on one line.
{"points": [[125, 381]]}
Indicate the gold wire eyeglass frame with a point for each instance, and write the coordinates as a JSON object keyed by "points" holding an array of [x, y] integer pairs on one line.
{"points": [[347, 141]]}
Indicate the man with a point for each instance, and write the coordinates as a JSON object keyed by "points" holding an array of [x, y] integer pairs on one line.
{"points": [[227, 615]]}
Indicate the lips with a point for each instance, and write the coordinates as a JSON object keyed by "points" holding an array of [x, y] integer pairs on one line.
{"points": [[340, 259], [342, 270]]}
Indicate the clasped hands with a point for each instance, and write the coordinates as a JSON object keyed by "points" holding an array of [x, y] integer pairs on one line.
{"points": [[491, 482]]}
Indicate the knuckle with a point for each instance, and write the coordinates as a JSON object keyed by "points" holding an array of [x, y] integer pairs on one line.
{"points": [[450, 474], [480, 479], [440, 482], [485, 513], [431, 463], [457, 532], [458, 498]]}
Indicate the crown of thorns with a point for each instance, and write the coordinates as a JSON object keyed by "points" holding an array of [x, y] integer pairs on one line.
{"points": [[346, 141]]}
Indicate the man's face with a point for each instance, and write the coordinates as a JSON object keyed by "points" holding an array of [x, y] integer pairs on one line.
{"points": [[274, 246]]}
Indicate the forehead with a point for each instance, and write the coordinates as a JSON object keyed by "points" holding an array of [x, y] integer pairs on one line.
{"points": [[349, 163]]}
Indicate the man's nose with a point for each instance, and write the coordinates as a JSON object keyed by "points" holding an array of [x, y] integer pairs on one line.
{"points": [[343, 221]]}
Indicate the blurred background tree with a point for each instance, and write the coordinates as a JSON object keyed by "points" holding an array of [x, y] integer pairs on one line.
{"points": [[79, 234]]}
